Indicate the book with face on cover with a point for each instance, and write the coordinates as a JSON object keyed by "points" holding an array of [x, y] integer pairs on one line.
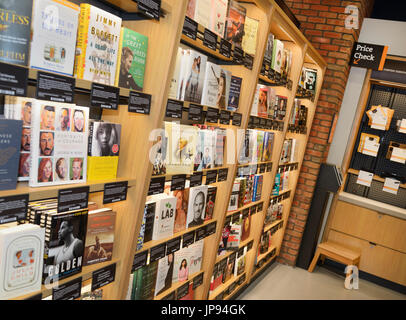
{"points": [[97, 45], [210, 202], [235, 23], [104, 139], [218, 16], [216, 86], [209, 148], [59, 140], [195, 68], [277, 56], [197, 206], [54, 31], [260, 105], [310, 79], [269, 50]]}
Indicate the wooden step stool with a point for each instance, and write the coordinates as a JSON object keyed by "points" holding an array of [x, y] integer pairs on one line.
{"points": [[335, 252]]}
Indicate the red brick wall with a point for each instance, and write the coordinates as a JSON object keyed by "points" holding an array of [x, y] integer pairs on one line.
{"points": [[323, 23]]}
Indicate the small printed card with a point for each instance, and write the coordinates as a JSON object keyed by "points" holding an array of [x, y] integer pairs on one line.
{"points": [[365, 178], [371, 147], [402, 126], [398, 155], [391, 185]]}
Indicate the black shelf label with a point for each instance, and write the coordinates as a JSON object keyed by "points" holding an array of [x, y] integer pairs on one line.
{"points": [[13, 208], [103, 277], [212, 115], [174, 109], [196, 179], [190, 28], [156, 186], [170, 296], [140, 260], [139, 102], [195, 112], [262, 168], [54, 87], [150, 8], [201, 233], [68, 291], [238, 55], [178, 182], [13, 80], [222, 175], [260, 206], [188, 239], [115, 192], [182, 291], [225, 48], [173, 245], [157, 252], [103, 96], [211, 228], [73, 199], [237, 117], [211, 176], [225, 117], [210, 39], [248, 61], [198, 281]]}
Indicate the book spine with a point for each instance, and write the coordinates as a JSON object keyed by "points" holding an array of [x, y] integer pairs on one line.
{"points": [[81, 42], [120, 48], [90, 138], [254, 193]]}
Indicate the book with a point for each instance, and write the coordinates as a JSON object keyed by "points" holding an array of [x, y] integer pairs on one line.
{"points": [[191, 8], [147, 226], [197, 206], [21, 256], [277, 56], [271, 101], [257, 187], [195, 251], [225, 234], [100, 236], [164, 274], [310, 80], [97, 45], [173, 86], [65, 236], [246, 227], [234, 238], [158, 154], [190, 294], [197, 162], [234, 94], [268, 145], [132, 59], [210, 202], [164, 216], [209, 148], [219, 149], [235, 23], [15, 31], [202, 12], [269, 51], [182, 200], [240, 263], [10, 141], [242, 191], [261, 101], [218, 16], [229, 272], [54, 31], [58, 151], [86, 293], [195, 69], [216, 86], [233, 203], [143, 282], [181, 265], [104, 139], [264, 242], [249, 40]]}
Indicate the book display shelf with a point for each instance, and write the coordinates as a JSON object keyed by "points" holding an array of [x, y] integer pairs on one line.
{"points": [[137, 260]]}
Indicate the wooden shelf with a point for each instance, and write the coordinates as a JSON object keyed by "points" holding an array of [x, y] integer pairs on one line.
{"points": [[258, 270], [280, 194], [229, 253], [230, 213], [273, 224], [224, 286]]}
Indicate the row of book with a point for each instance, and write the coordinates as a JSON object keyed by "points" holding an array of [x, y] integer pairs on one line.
{"points": [[289, 152], [298, 116], [274, 212], [245, 190], [228, 19], [195, 79], [257, 146], [159, 276], [53, 245], [281, 183], [56, 143], [84, 41], [268, 104], [174, 211], [277, 58], [235, 230]]}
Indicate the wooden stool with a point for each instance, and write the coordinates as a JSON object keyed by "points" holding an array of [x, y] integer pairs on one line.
{"points": [[335, 252]]}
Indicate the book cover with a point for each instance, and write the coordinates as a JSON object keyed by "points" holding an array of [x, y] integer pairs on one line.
{"points": [[182, 201], [197, 206], [218, 15], [191, 8], [144, 279], [246, 227], [132, 59], [197, 163], [260, 144], [158, 154], [15, 31], [194, 77], [97, 45], [240, 263], [234, 94], [220, 142], [277, 55], [21, 256], [10, 141], [229, 268], [269, 50], [310, 80], [268, 147], [258, 181], [185, 65], [216, 86], [233, 203], [272, 101], [260, 105], [65, 238], [181, 265], [20, 108], [235, 235], [191, 293], [58, 150], [225, 233], [209, 148], [104, 139], [164, 217], [242, 191], [164, 274], [210, 202], [235, 23], [249, 40], [173, 86], [202, 13], [100, 236], [196, 256], [264, 243], [54, 31], [149, 216], [101, 168]]}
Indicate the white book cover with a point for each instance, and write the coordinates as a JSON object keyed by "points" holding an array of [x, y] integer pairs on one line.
{"points": [[173, 86], [59, 141], [272, 101], [194, 77], [197, 206], [164, 276], [54, 31], [218, 16], [216, 86], [21, 256], [164, 217], [181, 265], [186, 64], [208, 149], [196, 256], [277, 55], [102, 46], [202, 12]]}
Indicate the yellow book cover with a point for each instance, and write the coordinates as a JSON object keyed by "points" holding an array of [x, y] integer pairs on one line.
{"points": [[119, 53], [81, 41], [101, 168]]}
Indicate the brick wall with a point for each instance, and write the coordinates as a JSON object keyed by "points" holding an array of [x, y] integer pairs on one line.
{"points": [[323, 23]]}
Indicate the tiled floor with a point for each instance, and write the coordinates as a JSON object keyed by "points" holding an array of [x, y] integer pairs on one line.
{"points": [[281, 282]]}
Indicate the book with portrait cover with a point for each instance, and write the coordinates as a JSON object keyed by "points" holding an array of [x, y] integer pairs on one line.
{"points": [[21, 256], [260, 104], [246, 227], [269, 51], [195, 68], [97, 45], [164, 274], [234, 239], [132, 57], [216, 86], [54, 31], [15, 31], [209, 148], [197, 206], [234, 94], [181, 265], [104, 139], [143, 282], [310, 79], [218, 16], [210, 202], [164, 216], [100, 236], [65, 237], [277, 55], [19, 108], [249, 40], [59, 140], [235, 23], [10, 141]]}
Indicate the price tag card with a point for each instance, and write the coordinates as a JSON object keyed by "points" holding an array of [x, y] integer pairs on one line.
{"points": [[174, 109], [262, 167], [391, 185], [103, 96], [54, 87], [182, 291], [195, 112], [225, 117], [237, 117], [196, 179], [260, 206], [190, 28], [188, 239], [212, 115], [13, 208], [156, 186], [157, 252], [13, 80], [238, 55], [178, 182], [201, 233], [225, 48], [115, 192], [222, 175], [68, 291], [150, 8], [220, 296], [140, 260], [198, 281], [103, 277], [210, 39], [248, 61], [173, 245], [211, 228], [170, 296], [365, 178], [73, 199], [371, 147], [402, 126], [211, 176], [139, 102], [398, 155]]}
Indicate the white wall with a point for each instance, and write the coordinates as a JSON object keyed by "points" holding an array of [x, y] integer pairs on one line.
{"points": [[374, 31]]}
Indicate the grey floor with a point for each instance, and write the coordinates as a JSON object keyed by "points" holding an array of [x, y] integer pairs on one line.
{"points": [[281, 282]]}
